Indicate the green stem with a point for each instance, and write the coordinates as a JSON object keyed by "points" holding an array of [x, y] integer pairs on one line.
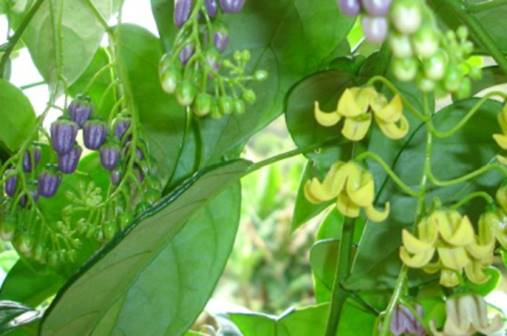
{"points": [[485, 5], [17, 36], [32, 85], [342, 271], [481, 171], [478, 194], [458, 8]]}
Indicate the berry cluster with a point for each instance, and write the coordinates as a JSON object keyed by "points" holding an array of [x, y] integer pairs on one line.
{"points": [[192, 70], [374, 22], [99, 214], [437, 61]]}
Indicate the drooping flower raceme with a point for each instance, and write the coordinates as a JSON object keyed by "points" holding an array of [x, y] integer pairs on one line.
{"points": [[466, 316], [351, 186], [447, 243], [358, 107]]}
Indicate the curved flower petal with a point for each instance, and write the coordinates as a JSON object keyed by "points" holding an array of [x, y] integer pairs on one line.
{"points": [[378, 216], [501, 197], [428, 231], [414, 245], [501, 140], [502, 159], [395, 130], [454, 258], [390, 112], [457, 232], [361, 187], [326, 119], [317, 192], [475, 273], [347, 207], [418, 260], [356, 128], [349, 106], [449, 278]]}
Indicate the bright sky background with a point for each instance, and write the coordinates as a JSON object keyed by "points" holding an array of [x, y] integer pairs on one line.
{"points": [[24, 72]]}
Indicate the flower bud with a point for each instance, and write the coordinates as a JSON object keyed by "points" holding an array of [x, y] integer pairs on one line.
{"points": [[375, 28], [121, 127], [182, 9], [232, 6], [63, 135], [94, 134], [221, 40], [349, 7], [376, 7], [48, 184], [405, 323], [11, 183], [31, 159], [80, 110], [110, 156], [116, 176], [23, 201], [186, 53], [67, 163], [211, 7]]}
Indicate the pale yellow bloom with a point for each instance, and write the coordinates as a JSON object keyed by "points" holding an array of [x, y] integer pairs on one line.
{"points": [[501, 139], [353, 189], [358, 107], [467, 315]]}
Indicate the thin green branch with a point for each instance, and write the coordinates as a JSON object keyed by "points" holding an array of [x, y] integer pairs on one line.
{"points": [[478, 194], [485, 5], [465, 178], [17, 35]]}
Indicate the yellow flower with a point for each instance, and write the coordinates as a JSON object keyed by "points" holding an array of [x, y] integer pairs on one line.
{"points": [[358, 107], [501, 139], [351, 186], [467, 315], [447, 243]]}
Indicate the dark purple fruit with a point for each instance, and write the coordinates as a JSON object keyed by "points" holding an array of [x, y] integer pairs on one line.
{"points": [[11, 184], [121, 127], [232, 6], [186, 53], [23, 201], [94, 134], [63, 135], [48, 183], [349, 7], [211, 7], [67, 163], [182, 9], [31, 159], [221, 40], [110, 156], [80, 110]]}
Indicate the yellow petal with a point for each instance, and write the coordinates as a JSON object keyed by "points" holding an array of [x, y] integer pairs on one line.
{"points": [[501, 140], [349, 105], [361, 187], [355, 129], [501, 197], [457, 232], [324, 118], [317, 192], [391, 112], [449, 278], [502, 119], [454, 258], [417, 260], [336, 177], [378, 216], [394, 131], [433, 267], [347, 207], [502, 159], [475, 273], [428, 231], [414, 245]]}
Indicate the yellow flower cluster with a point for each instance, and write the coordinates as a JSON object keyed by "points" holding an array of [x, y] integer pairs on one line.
{"points": [[447, 243], [358, 107], [497, 220], [501, 139], [351, 186]]}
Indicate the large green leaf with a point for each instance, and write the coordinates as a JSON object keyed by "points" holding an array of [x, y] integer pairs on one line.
{"points": [[162, 119], [156, 278], [63, 37], [29, 286], [275, 32], [377, 263], [303, 322], [16, 114]]}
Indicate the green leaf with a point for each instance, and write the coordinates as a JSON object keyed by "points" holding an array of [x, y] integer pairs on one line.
{"points": [[103, 101], [157, 277], [267, 29], [8, 259], [323, 259], [29, 286], [17, 116], [14, 315], [162, 119], [303, 322], [377, 263]]}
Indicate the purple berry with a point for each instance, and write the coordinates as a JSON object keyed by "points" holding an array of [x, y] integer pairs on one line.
{"points": [[375, 28], [121, 127], [116, 177], [349, 7], [376, 7], [23, 201], [182, 9], [110, 156], [211, 7], [232, 6], [63, 135], [67, 163], [186, 53], [48, 184], [80, 111], [34, 154], [221, 40], [11, 184], [94, 134]]}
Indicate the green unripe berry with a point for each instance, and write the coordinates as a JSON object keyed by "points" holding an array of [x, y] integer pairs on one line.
{"points": [[249, 96], [170, 79], [226, 104], [425, 84], [475, 72], [426, 41], [404, 69], [239, 106], [452, 78], [465, 89], [435, 66], [202, 105], [109, 230], [400, 45], [260, 75], [186, 93], [215, 110]]}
